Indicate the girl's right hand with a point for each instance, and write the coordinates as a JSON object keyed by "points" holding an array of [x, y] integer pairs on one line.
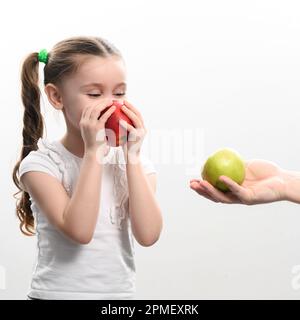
{"points": [[93, 129]]}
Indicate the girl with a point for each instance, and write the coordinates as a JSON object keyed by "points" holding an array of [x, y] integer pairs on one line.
{"points": [[85, 199], [265, 182]]}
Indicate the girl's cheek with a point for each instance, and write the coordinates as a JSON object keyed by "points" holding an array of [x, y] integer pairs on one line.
{"points": [[73, 113], [78, 106]]}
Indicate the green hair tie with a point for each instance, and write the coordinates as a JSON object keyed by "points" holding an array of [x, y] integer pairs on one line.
{"points": [[43, 56]]}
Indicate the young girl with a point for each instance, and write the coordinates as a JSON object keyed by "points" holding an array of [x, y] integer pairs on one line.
{"points": [[85, 199]]}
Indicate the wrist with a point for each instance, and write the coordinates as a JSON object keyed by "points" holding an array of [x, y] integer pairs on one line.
{"points": [[132, 157], [290, 185], [133, 160], [95, 154]]}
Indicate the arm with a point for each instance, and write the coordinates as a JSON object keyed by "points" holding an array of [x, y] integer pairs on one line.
{"points": [[145, 215], [76, 216], [81, 213]]}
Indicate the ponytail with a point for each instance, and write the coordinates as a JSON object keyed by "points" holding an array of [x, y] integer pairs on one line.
{"points": [[33, 127]]}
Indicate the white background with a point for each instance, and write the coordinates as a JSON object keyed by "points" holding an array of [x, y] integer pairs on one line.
{"points": [[228, 68]]}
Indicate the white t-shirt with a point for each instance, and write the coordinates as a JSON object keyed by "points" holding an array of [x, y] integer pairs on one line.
{"points": [[103, 268]]}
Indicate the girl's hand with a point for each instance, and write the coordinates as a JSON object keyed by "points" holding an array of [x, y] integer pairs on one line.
{"points": [[93, 129], [137, 132], [263, 183]]}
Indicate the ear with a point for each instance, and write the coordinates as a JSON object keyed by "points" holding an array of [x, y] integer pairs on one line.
{"points": [[54, 96]]}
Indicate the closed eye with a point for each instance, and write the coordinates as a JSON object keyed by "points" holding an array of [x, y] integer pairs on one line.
{"points": [[93, 94], [98, 94]]}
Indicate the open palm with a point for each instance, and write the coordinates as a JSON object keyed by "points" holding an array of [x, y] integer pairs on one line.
{"points": [[262, 184]]}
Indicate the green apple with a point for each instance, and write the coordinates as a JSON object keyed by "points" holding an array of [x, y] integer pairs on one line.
{"points": [[224, 162]]}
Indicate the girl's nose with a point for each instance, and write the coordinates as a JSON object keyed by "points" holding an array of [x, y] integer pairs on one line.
{"points": [[113, 98], [118, 103]]}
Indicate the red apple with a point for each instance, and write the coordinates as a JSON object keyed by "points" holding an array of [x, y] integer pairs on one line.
{"points": [[116, 135]]}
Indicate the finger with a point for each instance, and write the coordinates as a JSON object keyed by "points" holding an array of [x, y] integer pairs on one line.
{"points": [[126, 125], [234, 187], [197, 188], [104, 104], [133, 117], [195, 180], [106, 115], [86, 112], [200, 187], [83, 112], [217, 194], [135, 110], [96, 112]]}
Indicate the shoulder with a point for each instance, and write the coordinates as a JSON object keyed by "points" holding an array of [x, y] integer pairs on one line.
{"points": [[45, 159]]}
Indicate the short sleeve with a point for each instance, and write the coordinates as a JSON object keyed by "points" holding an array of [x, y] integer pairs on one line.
{"points": [[38, 161], [147, 164]]}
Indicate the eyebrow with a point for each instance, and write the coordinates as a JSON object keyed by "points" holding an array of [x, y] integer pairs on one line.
{"points": [[95, 84]]}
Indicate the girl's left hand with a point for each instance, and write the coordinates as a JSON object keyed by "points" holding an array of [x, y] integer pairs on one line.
{"points": [[137, 132]]}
